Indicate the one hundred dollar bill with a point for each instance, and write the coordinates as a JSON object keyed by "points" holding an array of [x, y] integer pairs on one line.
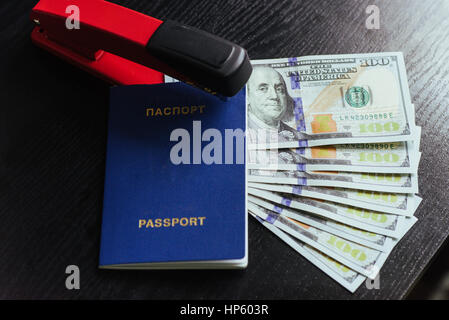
{"points": [[346, 277], [359, 258], [369, 239], [379, 182], [330, 99], [376, 222], [403, 204], [388, 157], [366, 261]]}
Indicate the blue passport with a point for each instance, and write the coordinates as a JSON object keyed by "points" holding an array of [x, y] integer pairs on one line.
{"points": [[175, 181]]}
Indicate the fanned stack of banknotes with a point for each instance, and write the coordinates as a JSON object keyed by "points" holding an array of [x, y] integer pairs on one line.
{"points": [[333, 153]]}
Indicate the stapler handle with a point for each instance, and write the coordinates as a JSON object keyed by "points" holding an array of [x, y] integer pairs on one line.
{"points": [[211, 60], [183, 52]]}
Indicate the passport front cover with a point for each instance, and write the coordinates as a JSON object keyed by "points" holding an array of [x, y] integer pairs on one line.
{"points": [[175, 181]]}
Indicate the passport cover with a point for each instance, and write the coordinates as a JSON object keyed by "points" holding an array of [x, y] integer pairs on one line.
{"points": [[142, 184]]}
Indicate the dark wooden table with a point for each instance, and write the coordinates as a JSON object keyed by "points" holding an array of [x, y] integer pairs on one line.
{"points": [[53, 135]]}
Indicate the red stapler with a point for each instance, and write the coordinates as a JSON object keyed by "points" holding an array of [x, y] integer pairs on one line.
{"points": [[123, 46]]}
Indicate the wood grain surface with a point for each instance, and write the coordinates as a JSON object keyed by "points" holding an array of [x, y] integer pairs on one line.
{"points": [[53, 136]]}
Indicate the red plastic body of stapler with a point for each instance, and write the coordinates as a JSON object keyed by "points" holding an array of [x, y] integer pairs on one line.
{"points": [[107, 44], [126, 47]]}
